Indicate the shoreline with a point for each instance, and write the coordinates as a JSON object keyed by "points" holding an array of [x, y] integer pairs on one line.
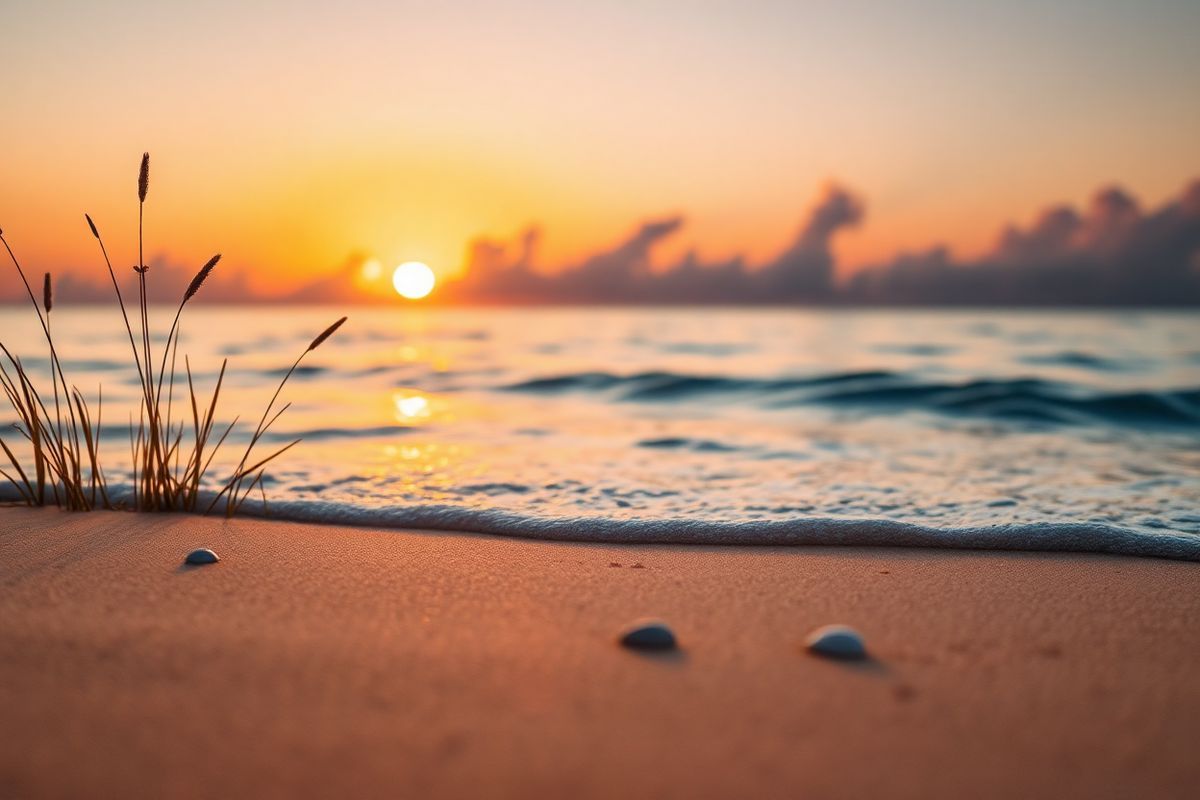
{"points": [[318, 660], [1024, 537]]}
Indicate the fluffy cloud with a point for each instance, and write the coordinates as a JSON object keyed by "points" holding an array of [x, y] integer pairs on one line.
{"points": [[1112, 253], [623, 274]]}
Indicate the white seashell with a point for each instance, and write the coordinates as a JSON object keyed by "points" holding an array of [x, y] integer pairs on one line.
{"points": [[201, 556], [837, 641], [648, 634]]}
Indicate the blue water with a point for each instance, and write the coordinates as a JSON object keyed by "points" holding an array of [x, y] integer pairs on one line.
{"points": [[1039, 430]]}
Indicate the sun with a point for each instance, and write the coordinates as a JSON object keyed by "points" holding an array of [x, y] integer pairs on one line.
{"points": [[413, 280]]}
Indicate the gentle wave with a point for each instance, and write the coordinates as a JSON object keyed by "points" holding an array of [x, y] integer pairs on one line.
{"points": [[1075, 537], [1027, 399], [1079, 360]]}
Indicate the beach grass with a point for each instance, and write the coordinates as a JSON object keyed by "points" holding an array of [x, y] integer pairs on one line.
{"points": [[171, 454]]}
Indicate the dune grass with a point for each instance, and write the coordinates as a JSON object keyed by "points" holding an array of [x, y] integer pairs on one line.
{"points": [[171, 453]]}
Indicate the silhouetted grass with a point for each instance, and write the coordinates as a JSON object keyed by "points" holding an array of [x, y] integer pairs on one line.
{"points": [[170, 458]]}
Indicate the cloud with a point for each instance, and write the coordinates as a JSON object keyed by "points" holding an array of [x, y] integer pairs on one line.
{"points": [[623, 273], [1112, 254], [805, 270], [165, 283]]}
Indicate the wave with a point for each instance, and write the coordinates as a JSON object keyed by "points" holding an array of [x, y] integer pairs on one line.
{"points": [[1074, 537], [648, 385], [1023, 399], [923, 350], [1078, 537], [683, 443], [1079, 360]]}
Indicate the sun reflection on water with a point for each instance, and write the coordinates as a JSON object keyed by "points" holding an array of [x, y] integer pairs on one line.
{"points": [[411, 408]]}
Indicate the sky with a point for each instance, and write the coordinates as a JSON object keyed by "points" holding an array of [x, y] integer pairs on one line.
{"points": [[298, 137]]}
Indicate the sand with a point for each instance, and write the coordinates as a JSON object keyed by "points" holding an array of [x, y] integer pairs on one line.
{"points": [[336, 662]]}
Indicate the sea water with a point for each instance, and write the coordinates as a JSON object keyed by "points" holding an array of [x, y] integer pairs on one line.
{"points": [[1035, 429]]}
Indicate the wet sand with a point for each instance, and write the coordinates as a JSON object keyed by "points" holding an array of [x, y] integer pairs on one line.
{"points": [[316, 661]]}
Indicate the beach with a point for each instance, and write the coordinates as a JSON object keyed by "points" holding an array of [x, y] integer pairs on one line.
{"points": [[318, 661], [607, 400]]}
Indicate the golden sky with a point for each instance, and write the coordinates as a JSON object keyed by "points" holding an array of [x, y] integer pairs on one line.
{"points": [[290, 135]]}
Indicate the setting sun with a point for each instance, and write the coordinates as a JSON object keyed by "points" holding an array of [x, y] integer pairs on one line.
{"points": [[413, 280]]}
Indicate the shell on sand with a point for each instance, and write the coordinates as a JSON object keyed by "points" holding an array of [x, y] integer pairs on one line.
{"points": [[201, 556], [837, 641], [648, 634]]}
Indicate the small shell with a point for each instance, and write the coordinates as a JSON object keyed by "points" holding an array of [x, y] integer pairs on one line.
{"points": [[837, 641], [648, 634], [201, 556]]}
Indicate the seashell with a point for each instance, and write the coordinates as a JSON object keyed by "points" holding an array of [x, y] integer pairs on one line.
{"points": [[648, 634], [837, 641], [201, 556]]}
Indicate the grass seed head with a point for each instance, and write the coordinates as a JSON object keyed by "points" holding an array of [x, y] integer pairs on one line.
{"points": [[325, 334], [144, 178], [200, 278]]}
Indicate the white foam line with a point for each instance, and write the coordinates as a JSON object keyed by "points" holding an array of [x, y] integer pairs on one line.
{"points": [[1075, 537], [1079, 537]]}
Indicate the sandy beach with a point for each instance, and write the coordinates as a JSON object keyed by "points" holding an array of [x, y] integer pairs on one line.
{"points": [[315, 661], [600, 401]]}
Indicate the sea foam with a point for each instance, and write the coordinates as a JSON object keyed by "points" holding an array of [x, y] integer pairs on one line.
{"points": [[1078, 537]]}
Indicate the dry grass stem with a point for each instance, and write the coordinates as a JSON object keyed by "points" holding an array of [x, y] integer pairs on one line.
{"points": [[170, 459]]}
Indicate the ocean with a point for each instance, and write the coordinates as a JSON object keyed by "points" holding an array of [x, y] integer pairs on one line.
{"points": [[1058, 430]]}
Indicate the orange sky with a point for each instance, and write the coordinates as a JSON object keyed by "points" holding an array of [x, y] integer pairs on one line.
{"points": [[289, 135]]}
